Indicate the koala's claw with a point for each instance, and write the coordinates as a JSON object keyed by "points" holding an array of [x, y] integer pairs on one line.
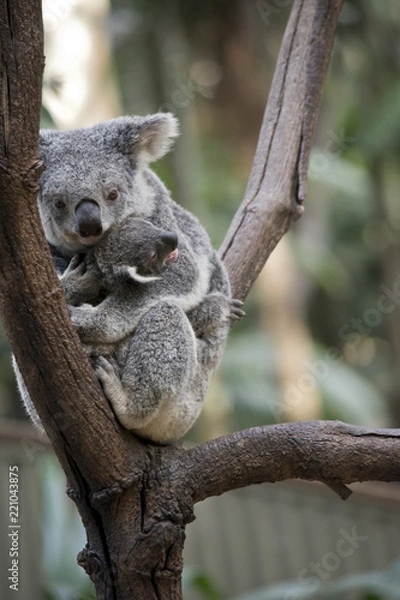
{"points": [[105, 373], [236, 312], [76, 261], [76, 266], [109, 364], [103, 365]]}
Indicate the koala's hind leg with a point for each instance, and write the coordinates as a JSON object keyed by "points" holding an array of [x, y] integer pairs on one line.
{"points": [[154, 397]]}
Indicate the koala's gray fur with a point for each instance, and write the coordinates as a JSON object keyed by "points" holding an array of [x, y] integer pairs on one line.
{"points": [[94, 179], [142, 329]]}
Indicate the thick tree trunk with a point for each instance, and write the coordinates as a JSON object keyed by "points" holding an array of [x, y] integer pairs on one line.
{"points": [[136, 498], [144, 530]]}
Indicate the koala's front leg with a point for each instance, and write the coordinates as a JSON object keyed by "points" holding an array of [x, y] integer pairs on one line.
{"points": [[109, 322], [101, 324], [87, 322]]}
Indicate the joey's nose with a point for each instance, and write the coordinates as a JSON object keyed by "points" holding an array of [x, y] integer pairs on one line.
{"points": [[169, 239], [88, 218]]}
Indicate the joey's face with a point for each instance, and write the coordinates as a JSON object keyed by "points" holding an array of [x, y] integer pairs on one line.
{"points": [[138, 250], [163, 251]]}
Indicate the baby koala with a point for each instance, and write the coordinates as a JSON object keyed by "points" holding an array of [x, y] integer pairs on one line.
{"points": [[134, 253], [153, 349]]}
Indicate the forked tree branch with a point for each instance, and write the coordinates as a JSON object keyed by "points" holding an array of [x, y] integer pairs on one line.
{"points": [[278, 180]]}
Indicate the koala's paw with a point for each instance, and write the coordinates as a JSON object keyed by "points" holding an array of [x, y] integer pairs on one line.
{"points": [[111, 359], [81, 317], [76, 268], [79, 281], [236, 313], [109, 379], [60, 264]]}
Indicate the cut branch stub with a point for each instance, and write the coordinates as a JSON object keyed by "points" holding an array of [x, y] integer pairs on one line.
{"points": [[277, 184]]}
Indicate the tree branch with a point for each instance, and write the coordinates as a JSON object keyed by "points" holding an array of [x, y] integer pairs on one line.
{"points": [[278, 180], [67, 396], [328, 451], [100, 459]]}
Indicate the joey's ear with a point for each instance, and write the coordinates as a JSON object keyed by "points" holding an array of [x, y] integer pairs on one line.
{"points": [[132, 272], [148, 138], [115, 272]]}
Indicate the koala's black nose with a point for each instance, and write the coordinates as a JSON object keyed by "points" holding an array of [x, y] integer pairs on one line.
{"points": [[88, 218], [169, 239]]}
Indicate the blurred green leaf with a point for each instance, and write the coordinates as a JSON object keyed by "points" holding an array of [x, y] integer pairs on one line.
{"points": [[380, 133], [351, 397], [196, 580]]}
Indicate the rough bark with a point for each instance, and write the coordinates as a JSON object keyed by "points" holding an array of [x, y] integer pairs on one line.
{"points": [[136, 498], [331, 452], [278, 181]]}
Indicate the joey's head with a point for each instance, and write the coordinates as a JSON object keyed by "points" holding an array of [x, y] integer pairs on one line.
{"points": [[136, 250], [94, 177]]}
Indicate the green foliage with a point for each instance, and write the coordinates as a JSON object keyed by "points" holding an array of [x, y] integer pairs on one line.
{"points": [[350, 397], [249, 373], [195, 580]]}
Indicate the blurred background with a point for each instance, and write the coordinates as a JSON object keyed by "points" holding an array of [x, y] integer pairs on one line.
{"points": [[322, 336]]}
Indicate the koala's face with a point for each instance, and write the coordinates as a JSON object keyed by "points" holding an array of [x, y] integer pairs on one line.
{"points": [[83, 192], [94, 177], [137, 250]]}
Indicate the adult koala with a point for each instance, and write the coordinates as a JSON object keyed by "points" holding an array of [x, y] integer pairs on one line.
{"points": [[94, 179]]}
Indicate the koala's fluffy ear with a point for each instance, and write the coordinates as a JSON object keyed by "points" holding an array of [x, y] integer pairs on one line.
{"points": [[131, 272], [148, 138]]}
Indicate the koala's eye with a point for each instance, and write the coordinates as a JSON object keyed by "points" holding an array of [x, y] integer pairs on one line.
{"points": [[112, 196], [59, 203], [153, 256]]}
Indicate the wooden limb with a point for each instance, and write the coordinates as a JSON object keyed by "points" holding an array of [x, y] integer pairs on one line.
{"points": [[277, 184], [56, 371], [331, 452], [97, 456]]}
